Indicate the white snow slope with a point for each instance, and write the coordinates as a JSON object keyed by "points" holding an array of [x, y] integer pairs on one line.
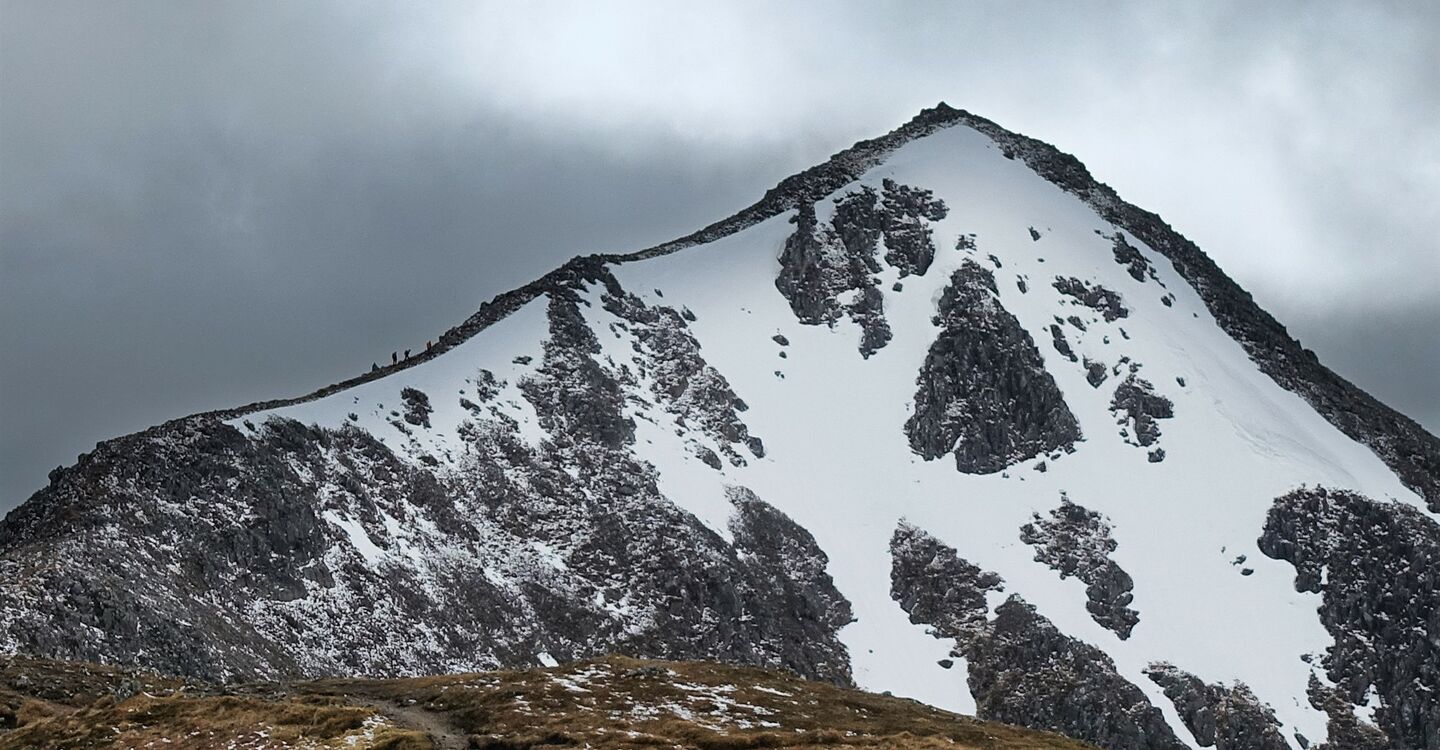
{"points": [[838, 462]]}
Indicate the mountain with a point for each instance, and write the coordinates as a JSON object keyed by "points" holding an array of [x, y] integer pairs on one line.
{"points": [[613, 702], [942, 416]]}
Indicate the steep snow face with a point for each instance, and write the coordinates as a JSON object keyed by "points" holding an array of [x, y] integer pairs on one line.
{"points": [[1184, 498], [837, 461], [949, 348]]}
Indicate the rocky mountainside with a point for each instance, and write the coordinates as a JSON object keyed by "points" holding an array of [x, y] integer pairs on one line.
{"points": [[942, 416]]}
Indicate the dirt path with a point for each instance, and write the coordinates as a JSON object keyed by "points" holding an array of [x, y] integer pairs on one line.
{"points": [[442, 734]]}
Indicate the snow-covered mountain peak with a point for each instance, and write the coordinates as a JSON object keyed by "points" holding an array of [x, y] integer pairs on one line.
{"points": [[942, 416]]}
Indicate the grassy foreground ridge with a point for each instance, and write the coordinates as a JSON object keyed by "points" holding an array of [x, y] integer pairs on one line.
{"points": [[612, 702]]}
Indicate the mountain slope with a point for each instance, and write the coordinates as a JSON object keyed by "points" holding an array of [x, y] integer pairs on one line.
{"points": [[942, 416]]}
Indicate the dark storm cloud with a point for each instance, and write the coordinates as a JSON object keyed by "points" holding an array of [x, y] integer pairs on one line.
{"points": [[202, 205]]}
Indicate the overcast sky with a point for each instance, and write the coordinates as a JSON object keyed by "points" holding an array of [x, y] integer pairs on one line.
{"points": [[205, 204]]}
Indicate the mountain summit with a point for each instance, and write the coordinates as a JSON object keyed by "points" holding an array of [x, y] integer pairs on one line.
{"points": [[942, 416]]}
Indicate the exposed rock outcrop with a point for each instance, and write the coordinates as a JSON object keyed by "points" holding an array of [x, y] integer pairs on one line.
{"points": [[1093, 296], [417, 407], [821, 266], [1023, 670], [1095, 373], [1376, 566], [1134, 261], [1075, 541], [1138, 407], [983, 391], [1062, 344], [787, 569], [935, 586], [1225, 718], [829, 271], [907, 211], [301, 551], [1345, 730]]}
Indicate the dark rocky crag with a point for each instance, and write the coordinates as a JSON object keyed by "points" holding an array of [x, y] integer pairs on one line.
{"points": [[907, 210], [1023, 670], [1093, 296], [1225, 718], [1345, 730], [782, 560], [567, 549], [1139, 408], [937, 587], [1376, 566], [821, 263], [983, 391], [1061, 344], [1134, 261], [1075, 541], [1095, 373]]}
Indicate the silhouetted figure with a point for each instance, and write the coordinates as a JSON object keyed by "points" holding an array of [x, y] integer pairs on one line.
{"points": [[427, 346], [407, 354], [393, 358]]}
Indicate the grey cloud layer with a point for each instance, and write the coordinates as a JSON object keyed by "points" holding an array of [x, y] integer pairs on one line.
{"points": [[203, 205]]}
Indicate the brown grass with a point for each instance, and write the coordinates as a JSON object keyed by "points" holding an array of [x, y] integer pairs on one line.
{"points": [[613, 702], [198, 722]]}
